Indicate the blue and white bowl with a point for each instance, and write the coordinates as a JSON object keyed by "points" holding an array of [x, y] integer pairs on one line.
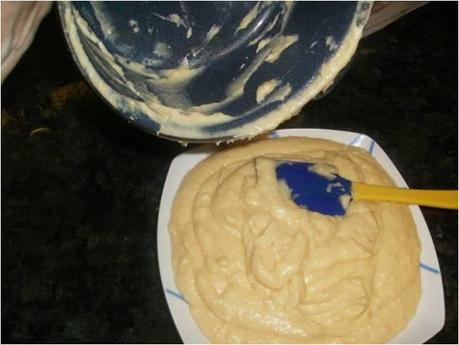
{"points": [[211, 71]]}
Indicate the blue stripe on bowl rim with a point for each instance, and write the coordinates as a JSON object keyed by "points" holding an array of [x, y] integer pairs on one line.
{"points": [[429, 268], [176, 295]]}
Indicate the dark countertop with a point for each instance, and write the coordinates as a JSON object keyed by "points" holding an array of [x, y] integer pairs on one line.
{"points": [[80, 198]]}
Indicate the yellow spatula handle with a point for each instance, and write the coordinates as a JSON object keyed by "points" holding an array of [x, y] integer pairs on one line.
{"points": [[433, 198]]}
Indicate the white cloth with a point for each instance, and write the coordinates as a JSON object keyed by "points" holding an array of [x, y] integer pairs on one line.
{"points": [[20, 21]]}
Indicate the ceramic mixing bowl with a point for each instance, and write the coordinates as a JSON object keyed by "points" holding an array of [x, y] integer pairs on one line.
{"points": [[211, 71]]}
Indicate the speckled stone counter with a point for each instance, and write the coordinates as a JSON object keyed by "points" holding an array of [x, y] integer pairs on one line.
{"points": [[81, 187]]}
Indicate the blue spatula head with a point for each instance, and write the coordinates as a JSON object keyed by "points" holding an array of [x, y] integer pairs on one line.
{"points": [[328, 194]]}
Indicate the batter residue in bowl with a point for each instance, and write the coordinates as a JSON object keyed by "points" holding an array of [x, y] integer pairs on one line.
{"points": [[143, 89]]}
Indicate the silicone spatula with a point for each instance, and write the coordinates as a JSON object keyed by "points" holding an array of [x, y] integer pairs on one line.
{"points": [[330, 194]]}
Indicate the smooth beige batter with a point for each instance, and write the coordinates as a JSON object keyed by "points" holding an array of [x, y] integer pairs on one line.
{"points": [[256, 268]]}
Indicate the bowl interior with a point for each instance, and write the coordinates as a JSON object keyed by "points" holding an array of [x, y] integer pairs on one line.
{"points": [[207, 70]]}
